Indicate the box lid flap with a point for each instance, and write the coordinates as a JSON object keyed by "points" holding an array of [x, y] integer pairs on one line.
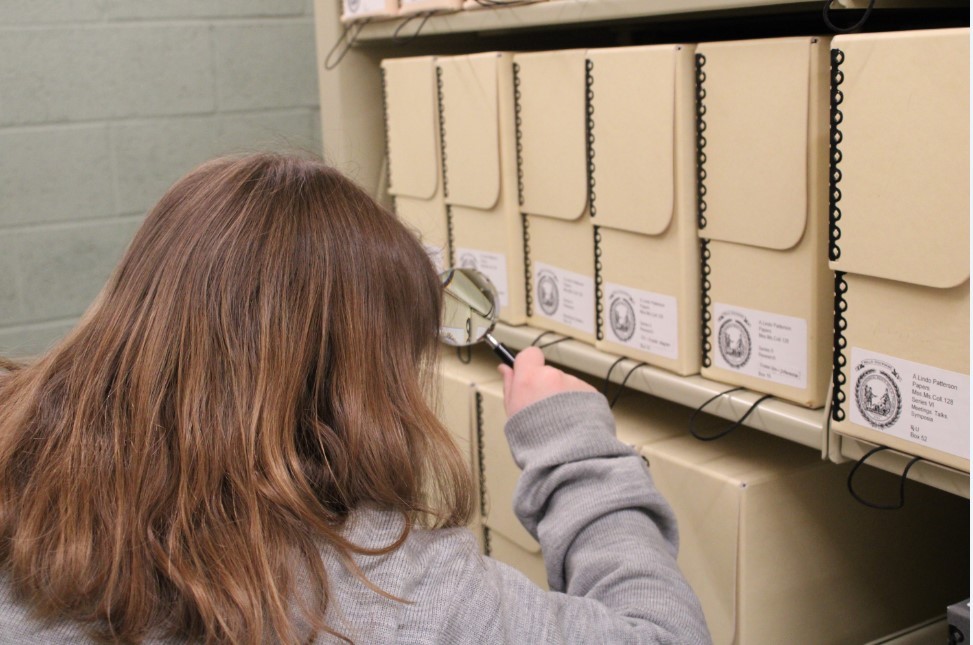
{"points": [[471, 135], [413, 128], [551, 131], [633, 134], [905, 156], [756, 100]]}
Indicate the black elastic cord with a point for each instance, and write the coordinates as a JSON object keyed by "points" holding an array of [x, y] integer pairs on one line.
{"points": [[555, 342], [881, 507], [608, 376], [722, 432], [465, 354], [621, 386], [398, 40], [349, 34], [539, 337], [826, 14]]}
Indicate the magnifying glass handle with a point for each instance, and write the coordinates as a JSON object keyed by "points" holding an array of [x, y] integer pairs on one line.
{"points": [[500, 349]]}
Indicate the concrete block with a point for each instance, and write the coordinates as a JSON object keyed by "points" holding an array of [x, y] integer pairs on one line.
{"points": [[286, 131], [30, 341], [55, 174], [149, 9], [266, 65], [23, 12], [11, 307], [151, 155], [264, 7], [62, 269], [102, 72]]}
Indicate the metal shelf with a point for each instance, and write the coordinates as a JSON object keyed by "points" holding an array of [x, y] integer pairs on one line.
{"points": [[844, 449], [786, 420], [564, 13]]}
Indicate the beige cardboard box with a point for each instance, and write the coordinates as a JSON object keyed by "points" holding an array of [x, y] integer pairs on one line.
{"points": [[457, 408], [900, 231], [412, 128], [549, 89], [779, 552], [409, 7], [476, 96], [639, 420], [352, 10], [643, 203], [763, 121]]}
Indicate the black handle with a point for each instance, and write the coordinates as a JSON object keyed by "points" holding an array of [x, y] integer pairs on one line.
{"points": [[500, 350]]}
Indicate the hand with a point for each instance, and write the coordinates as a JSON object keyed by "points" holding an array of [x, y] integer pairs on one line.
{"points": [[531, 381]]}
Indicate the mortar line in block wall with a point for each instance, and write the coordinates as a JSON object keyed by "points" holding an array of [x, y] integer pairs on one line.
{"points": [[17, 128]]}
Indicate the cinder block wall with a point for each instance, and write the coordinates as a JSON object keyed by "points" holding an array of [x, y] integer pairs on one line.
{"points": [[103, 104]]}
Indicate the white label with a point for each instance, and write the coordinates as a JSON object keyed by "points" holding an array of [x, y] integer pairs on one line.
{"points": [[919, 403], [641, 320], [363, 7], [760, 344], [564, 297], [492, 265], [437, 255]]}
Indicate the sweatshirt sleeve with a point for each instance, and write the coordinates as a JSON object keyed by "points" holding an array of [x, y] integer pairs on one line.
{"points": [[608, 537]]}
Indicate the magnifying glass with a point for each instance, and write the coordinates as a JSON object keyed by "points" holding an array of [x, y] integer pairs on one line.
{"points": [[470, 311]]}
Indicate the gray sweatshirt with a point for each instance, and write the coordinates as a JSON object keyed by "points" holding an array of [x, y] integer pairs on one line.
{"points": [[608, 538]]}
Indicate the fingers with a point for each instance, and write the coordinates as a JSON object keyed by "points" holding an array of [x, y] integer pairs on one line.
{"points": [[529, 359]]}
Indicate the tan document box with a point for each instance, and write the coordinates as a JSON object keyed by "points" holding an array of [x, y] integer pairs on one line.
{"points": [[412, 131], [900, 241], [476, 95], [639, 420], [763, 128], [643, 204], [409, 7], [507, 540], [778, 552], [352, 10], [552, 156], [457, 409]]}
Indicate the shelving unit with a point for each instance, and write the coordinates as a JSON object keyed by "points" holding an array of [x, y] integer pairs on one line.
{"points": [[574, 12], [354, 142], [779, 418], [842, 449], [563, 13]]}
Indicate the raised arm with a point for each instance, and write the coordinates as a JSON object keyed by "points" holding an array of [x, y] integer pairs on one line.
{"points": [[608, 537]]}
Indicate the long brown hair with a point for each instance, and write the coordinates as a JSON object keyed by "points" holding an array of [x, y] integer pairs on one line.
{"points": [[256, 368]]}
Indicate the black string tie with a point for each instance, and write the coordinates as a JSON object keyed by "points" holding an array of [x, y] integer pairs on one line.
{"points": [[399, 40], [348, 36], [621, 386], [722, 432], [902, 479], [548, 344]]}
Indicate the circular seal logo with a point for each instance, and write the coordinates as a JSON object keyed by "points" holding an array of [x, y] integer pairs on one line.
{"points": [[878, 397], [547, 294], [734, 341], [621, 315], [354, 6], [468, 261]]}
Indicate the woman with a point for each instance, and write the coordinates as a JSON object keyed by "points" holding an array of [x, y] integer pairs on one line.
{"points": [[234, 445]]}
